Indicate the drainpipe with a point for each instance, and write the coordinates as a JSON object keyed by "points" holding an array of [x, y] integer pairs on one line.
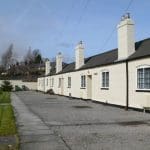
{"points": [[127, 86]]}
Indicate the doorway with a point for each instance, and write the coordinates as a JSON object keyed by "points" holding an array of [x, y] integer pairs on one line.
{"points": [[62, 86], [89, 87]]}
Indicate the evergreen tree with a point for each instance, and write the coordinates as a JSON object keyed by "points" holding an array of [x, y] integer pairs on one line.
{"points": [[6, 86]]}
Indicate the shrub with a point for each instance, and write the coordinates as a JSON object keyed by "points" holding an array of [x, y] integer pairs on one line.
{"points": [[51, 92], [6, 86], [17, 88], [24, 88]]}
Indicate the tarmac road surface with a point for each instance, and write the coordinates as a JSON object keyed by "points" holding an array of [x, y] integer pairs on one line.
{"points": [[50, 122]]}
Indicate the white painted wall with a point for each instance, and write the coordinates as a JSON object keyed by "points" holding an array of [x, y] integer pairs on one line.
{"points": [[116, 94], [117, 85], [137, 99], [41, 84], [20, 83]]}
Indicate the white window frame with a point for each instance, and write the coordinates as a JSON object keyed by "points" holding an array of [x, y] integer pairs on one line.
{"points": [[83, 81], [69, 82], [137, 80], [105, 82]]}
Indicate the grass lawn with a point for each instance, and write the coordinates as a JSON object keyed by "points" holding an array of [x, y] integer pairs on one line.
{"points": [[7, 119], [4, 97]]}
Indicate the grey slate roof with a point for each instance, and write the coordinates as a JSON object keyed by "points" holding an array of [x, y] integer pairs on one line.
{"points": [[53, 67], [142, 49], [101, 59], [94, 61], [68, 68]]}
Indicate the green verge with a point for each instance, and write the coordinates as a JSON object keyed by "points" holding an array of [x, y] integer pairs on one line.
{"points": [[7, 120], [4, 97]]}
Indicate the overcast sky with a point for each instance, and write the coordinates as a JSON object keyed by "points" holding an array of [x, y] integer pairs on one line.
{"points": [[58, 25]]}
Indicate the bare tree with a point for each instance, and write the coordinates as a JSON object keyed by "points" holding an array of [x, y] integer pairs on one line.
{"points": [[33, 56], [1, 69], [7, 57], [37, 56], [28, 57]]}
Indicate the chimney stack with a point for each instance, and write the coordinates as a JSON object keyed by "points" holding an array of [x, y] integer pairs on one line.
{"points": [[126, 41], [47, 67], [59, 60], [79, 55]]}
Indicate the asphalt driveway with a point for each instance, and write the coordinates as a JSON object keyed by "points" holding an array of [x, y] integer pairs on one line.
{"points": [[48, 122]]}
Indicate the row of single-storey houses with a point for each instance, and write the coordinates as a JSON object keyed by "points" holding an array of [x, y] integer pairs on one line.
{"points": [[120, 76]]}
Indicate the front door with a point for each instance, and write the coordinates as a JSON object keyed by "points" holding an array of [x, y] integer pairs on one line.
{"points": [[89, 87], [62, 86]]}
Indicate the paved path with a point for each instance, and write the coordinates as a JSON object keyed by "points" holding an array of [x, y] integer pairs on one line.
{"points": [[57, 123], [34, 133]]}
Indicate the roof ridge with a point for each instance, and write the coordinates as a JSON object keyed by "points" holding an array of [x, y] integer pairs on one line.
{"points": [[143, 40]]}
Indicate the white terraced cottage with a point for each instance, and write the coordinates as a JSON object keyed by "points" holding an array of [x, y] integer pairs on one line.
{"points": [[119, 77]]}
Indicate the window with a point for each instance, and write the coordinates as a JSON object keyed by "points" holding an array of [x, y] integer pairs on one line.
{"points": [[83, 81], [52, 82], [105, 79], [143, 78], [59, 83], [69, 82], [47, 82]]}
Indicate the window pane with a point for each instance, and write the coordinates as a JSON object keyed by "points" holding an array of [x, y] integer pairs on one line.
{"points": [[53, 82], [147, 78], [140, 79], [47, 82], [69, 81], [143, 78], [105, 79], [59, 84], [83, 81]]}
